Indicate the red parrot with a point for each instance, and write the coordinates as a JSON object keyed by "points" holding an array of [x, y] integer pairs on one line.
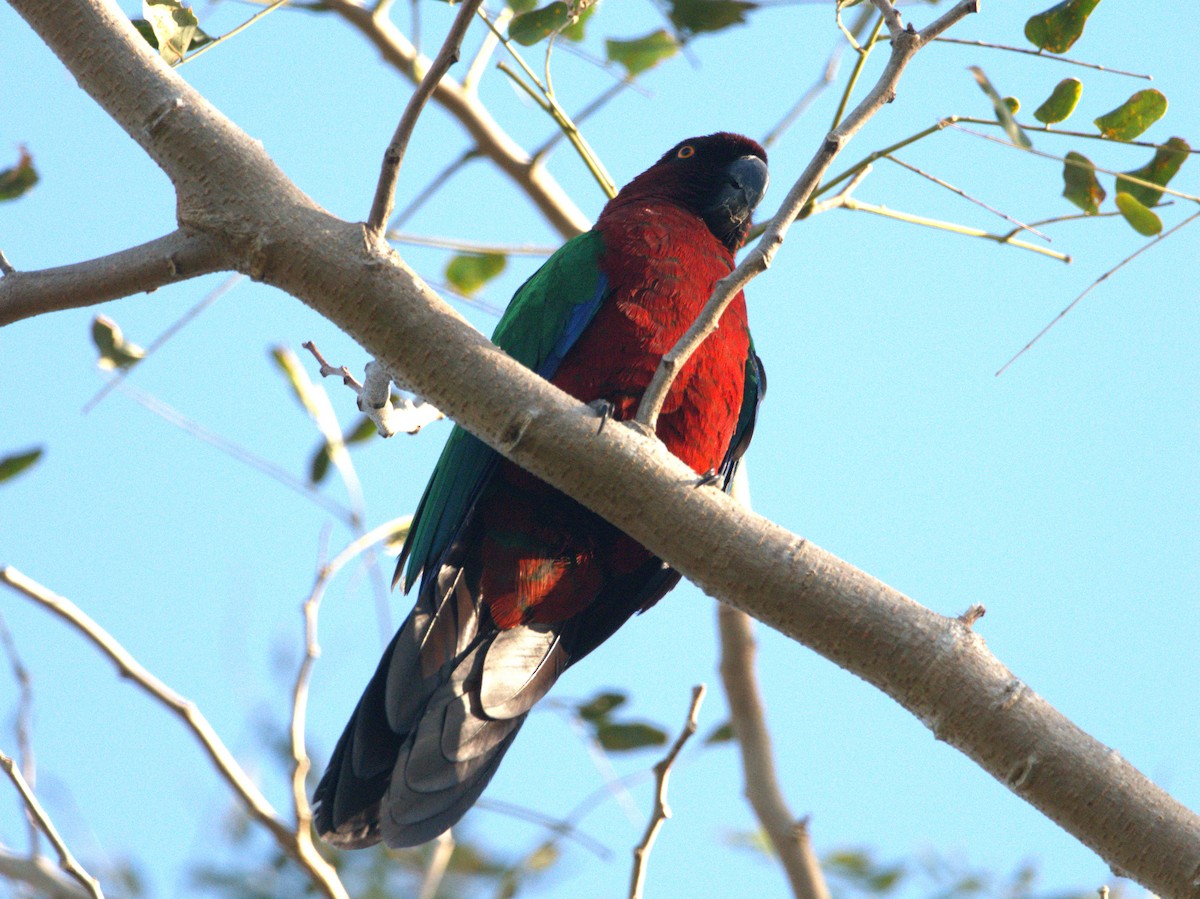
{"points": [[517, 580]]}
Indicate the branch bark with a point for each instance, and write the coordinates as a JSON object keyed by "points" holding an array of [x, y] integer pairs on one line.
{"points": [[175, 257], [934, 666]]}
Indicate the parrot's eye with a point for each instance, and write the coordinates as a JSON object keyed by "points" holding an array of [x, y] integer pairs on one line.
{"points": [[686, 151]]}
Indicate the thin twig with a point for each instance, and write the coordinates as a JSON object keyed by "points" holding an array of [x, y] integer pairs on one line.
{"points": [[662, 811], [436, 183], [319, 871], [1061, 132], [1043, 55], [491, 40], [393, 157], [439, 861], [24, 723], [283, 476], [121, 373], [467, 246], [953, 227], [65, 859], [227, 35], [1120, 265], [828, 74], [5, 266], [1021, 226], [905, 45], [864, 53]]}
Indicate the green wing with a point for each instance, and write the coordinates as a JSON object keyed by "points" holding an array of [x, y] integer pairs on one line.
{"points": [[543, 321]]}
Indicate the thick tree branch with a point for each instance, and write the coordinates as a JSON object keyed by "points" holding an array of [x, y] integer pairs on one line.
{"points": [[175, 257], [492, 140], [905, 45], [934, 666]]}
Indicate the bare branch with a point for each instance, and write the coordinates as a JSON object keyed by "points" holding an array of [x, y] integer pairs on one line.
{"points": [[788, 836], [393, 157], [443, 848], [40, 874], [176, 257], [490, 139], [256, 804], [1112, 271], [66, 860], [1042, 54], [905, 45], [662, 811], [24, 722]]}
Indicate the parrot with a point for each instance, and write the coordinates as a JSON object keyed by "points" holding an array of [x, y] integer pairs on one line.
{"points": [[517, 580]]}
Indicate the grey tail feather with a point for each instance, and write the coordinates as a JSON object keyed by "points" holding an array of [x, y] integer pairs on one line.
{"points": [[421, 746]]}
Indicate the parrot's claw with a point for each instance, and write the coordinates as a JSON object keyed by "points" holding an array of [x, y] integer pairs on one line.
{"points": [[604, 409], [709, 478]]}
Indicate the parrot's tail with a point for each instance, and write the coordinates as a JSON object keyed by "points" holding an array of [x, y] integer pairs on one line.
{"points": [[444, 705]]}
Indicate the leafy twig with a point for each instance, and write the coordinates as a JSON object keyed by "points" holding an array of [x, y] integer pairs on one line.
{"points": [[905, 45], [1120, 265], [662, 811], [65, 859]]}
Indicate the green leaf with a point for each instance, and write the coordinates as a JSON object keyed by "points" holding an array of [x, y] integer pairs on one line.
{"points": [[598, 709], [173, 25], [1003, 115], [115, 350], [624, 737], [521, 6], [467, 272], [641, 53], [1080, 185], [583, 12], [1133, 116], [1160, 170], [364, 430], [20, 178], [1060, 26], [11, 466], [318, 466], [695, 16], [1144, 221], [722, 733], [1013, 104], [530, 27], [1061, 102]]}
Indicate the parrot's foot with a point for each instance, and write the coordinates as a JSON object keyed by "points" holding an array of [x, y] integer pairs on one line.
{"points": [[709, 478], [604, 409]]}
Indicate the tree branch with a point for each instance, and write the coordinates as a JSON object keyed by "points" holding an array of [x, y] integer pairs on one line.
{"points": [[301, 851], [66, 860], [492, 141], [393, 157], [37, 872], [905, 45], [662, 811], [175, 257]]}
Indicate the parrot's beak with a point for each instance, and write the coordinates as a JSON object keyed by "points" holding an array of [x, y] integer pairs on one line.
{"points": [[728, 216]]}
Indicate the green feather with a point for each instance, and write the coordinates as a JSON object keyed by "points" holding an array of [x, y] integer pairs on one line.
{"points": [[546, 316]]}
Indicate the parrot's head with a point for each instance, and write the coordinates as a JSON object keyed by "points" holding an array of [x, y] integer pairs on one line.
{"points": [[719, 178]]}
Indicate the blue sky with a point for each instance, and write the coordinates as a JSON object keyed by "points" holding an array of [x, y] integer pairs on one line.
{"points": [[1062, 495]]}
